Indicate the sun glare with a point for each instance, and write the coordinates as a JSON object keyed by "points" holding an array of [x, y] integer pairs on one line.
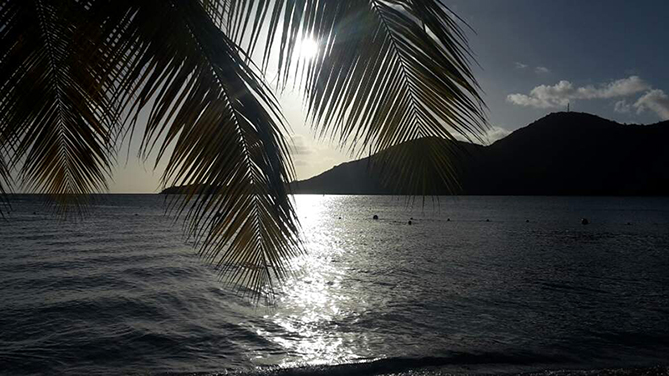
{"points": [[307, 49]]}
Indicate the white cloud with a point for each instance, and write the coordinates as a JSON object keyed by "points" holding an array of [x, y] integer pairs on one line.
{"points": [[620, 88], [300, 146], [538, 70], [544, 96], [497, 133], [656, 101], [622, 107], [492, 134], [559, 95]]}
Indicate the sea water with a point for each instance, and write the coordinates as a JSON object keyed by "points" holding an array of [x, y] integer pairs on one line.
{"points": [[474, 284]]}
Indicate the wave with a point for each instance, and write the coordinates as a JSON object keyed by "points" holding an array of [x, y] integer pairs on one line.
{"points": [[400, 365], [455, 363]]}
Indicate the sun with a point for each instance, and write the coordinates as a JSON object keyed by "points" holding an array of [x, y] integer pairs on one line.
{"points": [[307, 49]]}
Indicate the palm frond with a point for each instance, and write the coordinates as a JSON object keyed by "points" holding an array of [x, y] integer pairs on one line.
{"points": [[220, 127], [387, 72], [70, 70], [56, 120], [5, 176], [5, 180]]}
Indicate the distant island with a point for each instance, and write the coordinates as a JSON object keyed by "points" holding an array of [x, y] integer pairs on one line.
{"points": [[564, 153]]}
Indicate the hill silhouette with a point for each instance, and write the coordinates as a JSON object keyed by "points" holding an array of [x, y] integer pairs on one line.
{"points": [[560, 154]]}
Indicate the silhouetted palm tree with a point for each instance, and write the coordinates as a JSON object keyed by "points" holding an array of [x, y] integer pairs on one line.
{"points": [[74, 75]]}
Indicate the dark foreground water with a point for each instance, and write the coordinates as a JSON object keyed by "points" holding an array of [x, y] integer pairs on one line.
{"points": [[471, 286]]}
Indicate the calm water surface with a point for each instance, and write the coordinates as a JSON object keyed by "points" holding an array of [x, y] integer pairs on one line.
{"points": [[470, 286]]}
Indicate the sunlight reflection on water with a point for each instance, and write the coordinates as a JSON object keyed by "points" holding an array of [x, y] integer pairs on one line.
{"points": [[370, 289], [313, 302]]}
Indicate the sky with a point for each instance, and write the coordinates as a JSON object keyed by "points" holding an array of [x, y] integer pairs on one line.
{"points": [[606, 57]]}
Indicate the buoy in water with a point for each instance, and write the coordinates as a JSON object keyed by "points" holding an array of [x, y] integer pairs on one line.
{"points": [[409, 223], [487, 220], [527, 221], [448, 220], [375, 217], [585, 221]]}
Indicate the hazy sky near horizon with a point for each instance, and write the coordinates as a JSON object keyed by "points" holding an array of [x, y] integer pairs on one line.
{"points": [[606, 57]]}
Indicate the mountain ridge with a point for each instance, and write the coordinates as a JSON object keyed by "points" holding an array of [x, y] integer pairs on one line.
{"points": [[563, 153]]}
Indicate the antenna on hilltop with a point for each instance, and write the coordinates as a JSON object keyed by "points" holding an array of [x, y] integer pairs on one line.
{"points": [[568, 106]]}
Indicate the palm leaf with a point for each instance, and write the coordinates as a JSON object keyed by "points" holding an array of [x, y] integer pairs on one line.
{"points": [[5, 176], [219, 127], [387, 72], [72, 67], [56, 120], [5, 180]]}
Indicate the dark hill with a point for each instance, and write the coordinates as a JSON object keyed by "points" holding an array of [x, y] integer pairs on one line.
{"points": [[560, 154], [361, 178]]}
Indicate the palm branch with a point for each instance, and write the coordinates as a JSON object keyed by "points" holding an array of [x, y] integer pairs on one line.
{"points": [[388, 72], [5, 184], [77, 74], [225, 131], [56, 121]]}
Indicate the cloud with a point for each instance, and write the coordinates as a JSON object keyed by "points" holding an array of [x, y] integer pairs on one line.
{"points": [[620, 88], [544, 96], [492, 134], [299, 146], [656, 101], [542, 70], [538, 70], [559, 95], [497, 133], [622, 107]]}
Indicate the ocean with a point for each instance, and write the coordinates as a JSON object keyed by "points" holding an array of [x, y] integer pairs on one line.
{"points": [[473, 285]]}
